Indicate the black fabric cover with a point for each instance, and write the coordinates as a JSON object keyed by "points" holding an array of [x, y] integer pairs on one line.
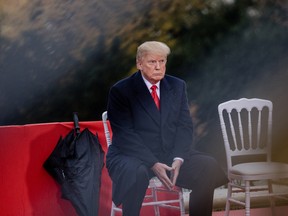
{"points": [[76, 164]]}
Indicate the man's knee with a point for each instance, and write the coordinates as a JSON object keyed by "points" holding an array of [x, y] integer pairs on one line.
{"points": [[142, 174]]}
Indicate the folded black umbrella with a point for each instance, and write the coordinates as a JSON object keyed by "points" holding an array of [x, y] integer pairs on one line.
{"points": [[76, 164]]}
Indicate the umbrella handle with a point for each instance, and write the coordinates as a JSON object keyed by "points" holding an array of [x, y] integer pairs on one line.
{"points": [[76, 123]]}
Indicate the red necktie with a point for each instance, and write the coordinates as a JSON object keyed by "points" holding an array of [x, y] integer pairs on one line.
{"points": [[155, 96]]}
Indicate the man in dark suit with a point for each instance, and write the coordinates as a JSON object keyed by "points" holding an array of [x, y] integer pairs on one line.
{"points": [[154, 138]]}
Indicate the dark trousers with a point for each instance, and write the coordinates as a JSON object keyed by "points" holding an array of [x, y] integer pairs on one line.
{"points": [[132, 203], [201, 173]]}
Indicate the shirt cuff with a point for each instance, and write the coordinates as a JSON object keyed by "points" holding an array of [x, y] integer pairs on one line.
{"points": [[178, 158]]}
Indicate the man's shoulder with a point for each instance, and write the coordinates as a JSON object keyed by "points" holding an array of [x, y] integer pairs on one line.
{"points": [[125, 81], [173, 79]]}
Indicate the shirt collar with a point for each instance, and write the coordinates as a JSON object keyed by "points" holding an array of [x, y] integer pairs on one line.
{"points": [[148, 84]]}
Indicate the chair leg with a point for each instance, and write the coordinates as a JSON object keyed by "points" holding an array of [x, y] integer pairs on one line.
{"points": [[271, 198], [181, 203], [229, 194], [155, 199], [113, 209], [247, 198]]}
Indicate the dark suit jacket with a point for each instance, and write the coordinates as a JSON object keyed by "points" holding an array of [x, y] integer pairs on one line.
{"points": [[142, 134]]}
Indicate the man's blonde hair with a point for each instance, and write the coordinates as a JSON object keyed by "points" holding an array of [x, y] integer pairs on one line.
{"points": [[154, 47]]}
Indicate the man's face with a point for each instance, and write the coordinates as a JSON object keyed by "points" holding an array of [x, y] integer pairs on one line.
{"points": [[152, 67]]}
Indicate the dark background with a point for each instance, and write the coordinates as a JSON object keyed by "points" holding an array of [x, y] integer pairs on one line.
{"points": [[57, 57]]}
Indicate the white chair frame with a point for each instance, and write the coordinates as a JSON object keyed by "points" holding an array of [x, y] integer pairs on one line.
{"points": [[154, 185], [245, 134]]}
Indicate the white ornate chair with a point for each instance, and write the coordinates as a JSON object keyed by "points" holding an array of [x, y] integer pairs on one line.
{"points": [[246, 126], [155, 186]]}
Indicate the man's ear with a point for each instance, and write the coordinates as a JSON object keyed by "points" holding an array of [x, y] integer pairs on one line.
{"points": [[139, 65]]}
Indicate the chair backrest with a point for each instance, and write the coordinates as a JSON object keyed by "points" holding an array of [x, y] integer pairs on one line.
{"points": [[246, 126], [106, 128]]}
